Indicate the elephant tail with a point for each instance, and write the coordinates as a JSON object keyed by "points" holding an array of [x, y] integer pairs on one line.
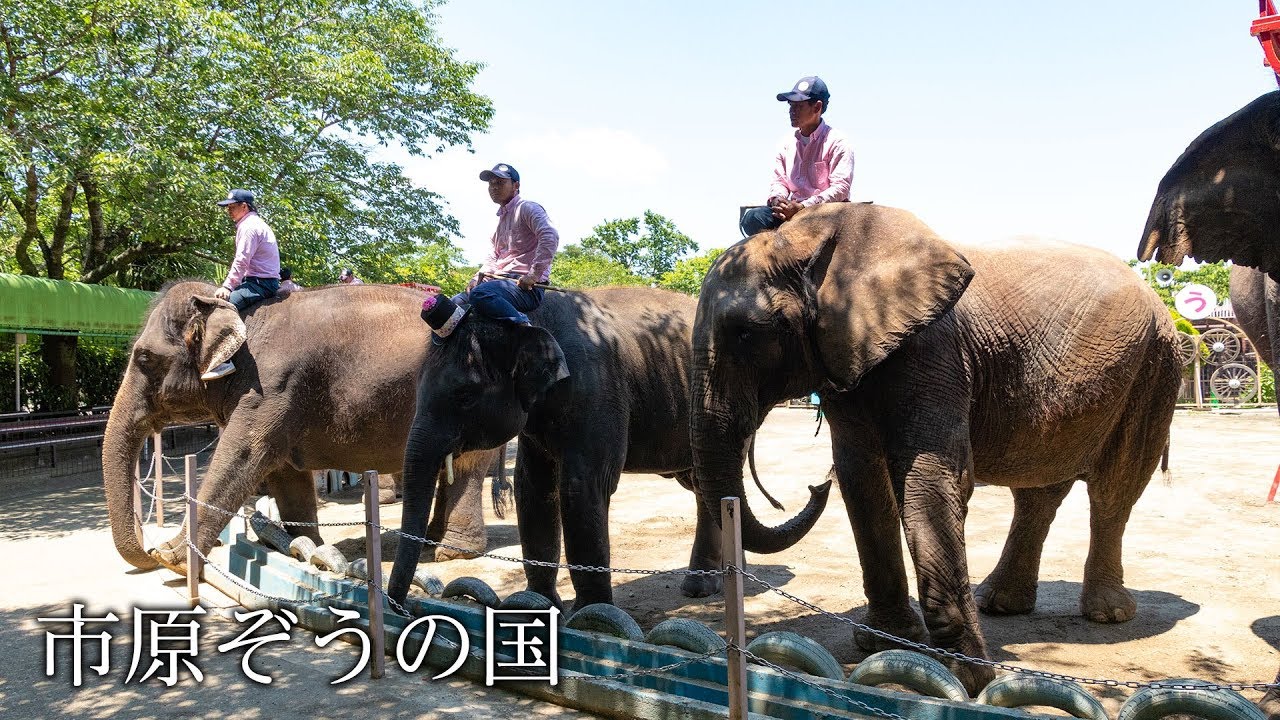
{"points": [[751, 460], [1165, 476]]}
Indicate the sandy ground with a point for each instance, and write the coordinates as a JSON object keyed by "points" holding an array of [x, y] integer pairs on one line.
{"points": [[1200, 558]]}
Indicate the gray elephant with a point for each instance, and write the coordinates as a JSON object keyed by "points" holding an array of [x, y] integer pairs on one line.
{"points": [[326, 379], [1031, 367], [1218, 201], [597, 386]]}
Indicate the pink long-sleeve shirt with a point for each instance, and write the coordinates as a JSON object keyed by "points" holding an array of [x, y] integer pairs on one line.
{"points": [[257, 254], [814, 169], [524, 242]]}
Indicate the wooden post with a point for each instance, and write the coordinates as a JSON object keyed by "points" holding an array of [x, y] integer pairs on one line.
{"points": [[157, 454], [1196, 376], [194, 565], [373, 558], [735, 628]]}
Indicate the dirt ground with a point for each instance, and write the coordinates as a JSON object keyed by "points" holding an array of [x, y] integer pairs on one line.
{"points": [[1200, 555], [1200, 558]]}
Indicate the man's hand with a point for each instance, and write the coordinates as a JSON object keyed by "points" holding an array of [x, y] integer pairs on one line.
{"points": [[784, 209], [527, 282], [222, 293]]}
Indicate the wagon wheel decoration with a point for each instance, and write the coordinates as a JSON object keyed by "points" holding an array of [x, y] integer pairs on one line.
{"points": [[1222, 345], [1186, 348], [1234, 382]]}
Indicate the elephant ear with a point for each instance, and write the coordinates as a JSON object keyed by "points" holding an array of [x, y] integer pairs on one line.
{"points": [[214, 331], [539, 364], [881, 275]]}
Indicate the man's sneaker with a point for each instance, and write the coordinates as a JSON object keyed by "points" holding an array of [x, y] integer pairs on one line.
{"points": [[222, 370]]}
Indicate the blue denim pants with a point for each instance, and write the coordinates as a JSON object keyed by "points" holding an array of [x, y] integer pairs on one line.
{"points": [[758, 219], [254, 290], [502, 300]]}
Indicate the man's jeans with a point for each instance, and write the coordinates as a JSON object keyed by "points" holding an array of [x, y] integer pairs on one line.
{"points": [[502, 300], [758, 219], [254, 290]]}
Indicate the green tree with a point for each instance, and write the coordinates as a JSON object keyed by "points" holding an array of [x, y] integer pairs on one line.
{"points": [[122, 121], [1215, 276], [578, 267], [687, 275], [649, 254]]}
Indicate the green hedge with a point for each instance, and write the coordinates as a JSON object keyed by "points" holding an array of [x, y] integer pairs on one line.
{"points": [[100, 365]]}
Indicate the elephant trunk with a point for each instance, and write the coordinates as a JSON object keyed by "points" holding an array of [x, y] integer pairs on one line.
{"points": [[721, 430], [424, 456], [127, 429]]}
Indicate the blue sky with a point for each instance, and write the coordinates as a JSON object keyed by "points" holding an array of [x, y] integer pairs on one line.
{"points": [[988, 120]]}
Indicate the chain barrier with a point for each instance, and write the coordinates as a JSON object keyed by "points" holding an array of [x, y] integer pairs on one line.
{"points": [[1133, 684], [921, 647], [827, 691]]}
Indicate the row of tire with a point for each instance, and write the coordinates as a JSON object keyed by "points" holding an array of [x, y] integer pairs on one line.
{"points": [[905, 668]]}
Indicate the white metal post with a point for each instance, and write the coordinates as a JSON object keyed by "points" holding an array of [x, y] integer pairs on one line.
{"points": [[735, 628], [373, 558], [157, 455], [194, 565]]}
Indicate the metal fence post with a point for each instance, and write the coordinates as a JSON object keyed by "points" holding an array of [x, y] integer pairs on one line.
{"points": [[194, 566], [1196, 375], [157, 454], [734, 623], [373, 558]]}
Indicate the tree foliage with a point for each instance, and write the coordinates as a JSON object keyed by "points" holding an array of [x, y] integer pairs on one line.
{"points": [[648, 254], [1215, 276], [123, 121], [578, 267], [687, 275]]}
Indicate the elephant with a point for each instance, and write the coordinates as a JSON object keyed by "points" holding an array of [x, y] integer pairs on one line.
{"points": [[325, 380], [1029, 366], [596, 386], [1249, 302], [1218, 202]]}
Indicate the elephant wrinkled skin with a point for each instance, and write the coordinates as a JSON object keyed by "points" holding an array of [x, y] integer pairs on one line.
{"points": [[1030, 367], [326, 379]]}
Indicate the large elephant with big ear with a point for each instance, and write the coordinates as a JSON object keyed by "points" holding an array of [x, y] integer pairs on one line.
{"points": [[326, 378], [1030, 366], [597, 386], [1220, 200]]}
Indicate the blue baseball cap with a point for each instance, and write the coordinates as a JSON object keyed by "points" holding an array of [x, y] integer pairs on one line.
{"points": [[501, 170], [237, 196], [807, 88]]}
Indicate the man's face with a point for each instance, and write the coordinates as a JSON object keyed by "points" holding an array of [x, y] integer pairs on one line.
{"points": [[805, 114], [235, 211], [501, 190]]}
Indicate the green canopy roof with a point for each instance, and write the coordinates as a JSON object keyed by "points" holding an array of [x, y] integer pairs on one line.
{"points": [[57, 307]]}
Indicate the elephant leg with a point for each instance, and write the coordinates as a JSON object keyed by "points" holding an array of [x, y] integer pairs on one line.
{"points": [[873, 514], [458, 518], [295, 496], [1113, 490], [538, 517], [1270, 703], [937, 481], [706, 553], [239, 464], [1010, 589], [586, 484]]}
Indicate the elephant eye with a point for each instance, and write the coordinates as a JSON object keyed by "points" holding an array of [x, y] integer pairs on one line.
{"points": [[142, 357]]}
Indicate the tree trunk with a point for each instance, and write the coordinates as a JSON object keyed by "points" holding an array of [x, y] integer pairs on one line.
{"points": [[59, 354]]}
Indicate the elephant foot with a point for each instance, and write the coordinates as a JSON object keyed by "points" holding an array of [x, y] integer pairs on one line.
{"points": [[700, 586], [1000, 598], [1270, 704], [466, 549], [1105, 603], [909, 627], [171, 555], [973, 677]]}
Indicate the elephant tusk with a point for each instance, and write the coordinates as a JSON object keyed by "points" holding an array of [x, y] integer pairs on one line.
{"points": [[448, 468]]}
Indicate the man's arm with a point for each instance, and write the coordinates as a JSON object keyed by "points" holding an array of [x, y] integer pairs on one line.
{"points": [[548, 241], [840, 177], [778, 188], [247, 241]]}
